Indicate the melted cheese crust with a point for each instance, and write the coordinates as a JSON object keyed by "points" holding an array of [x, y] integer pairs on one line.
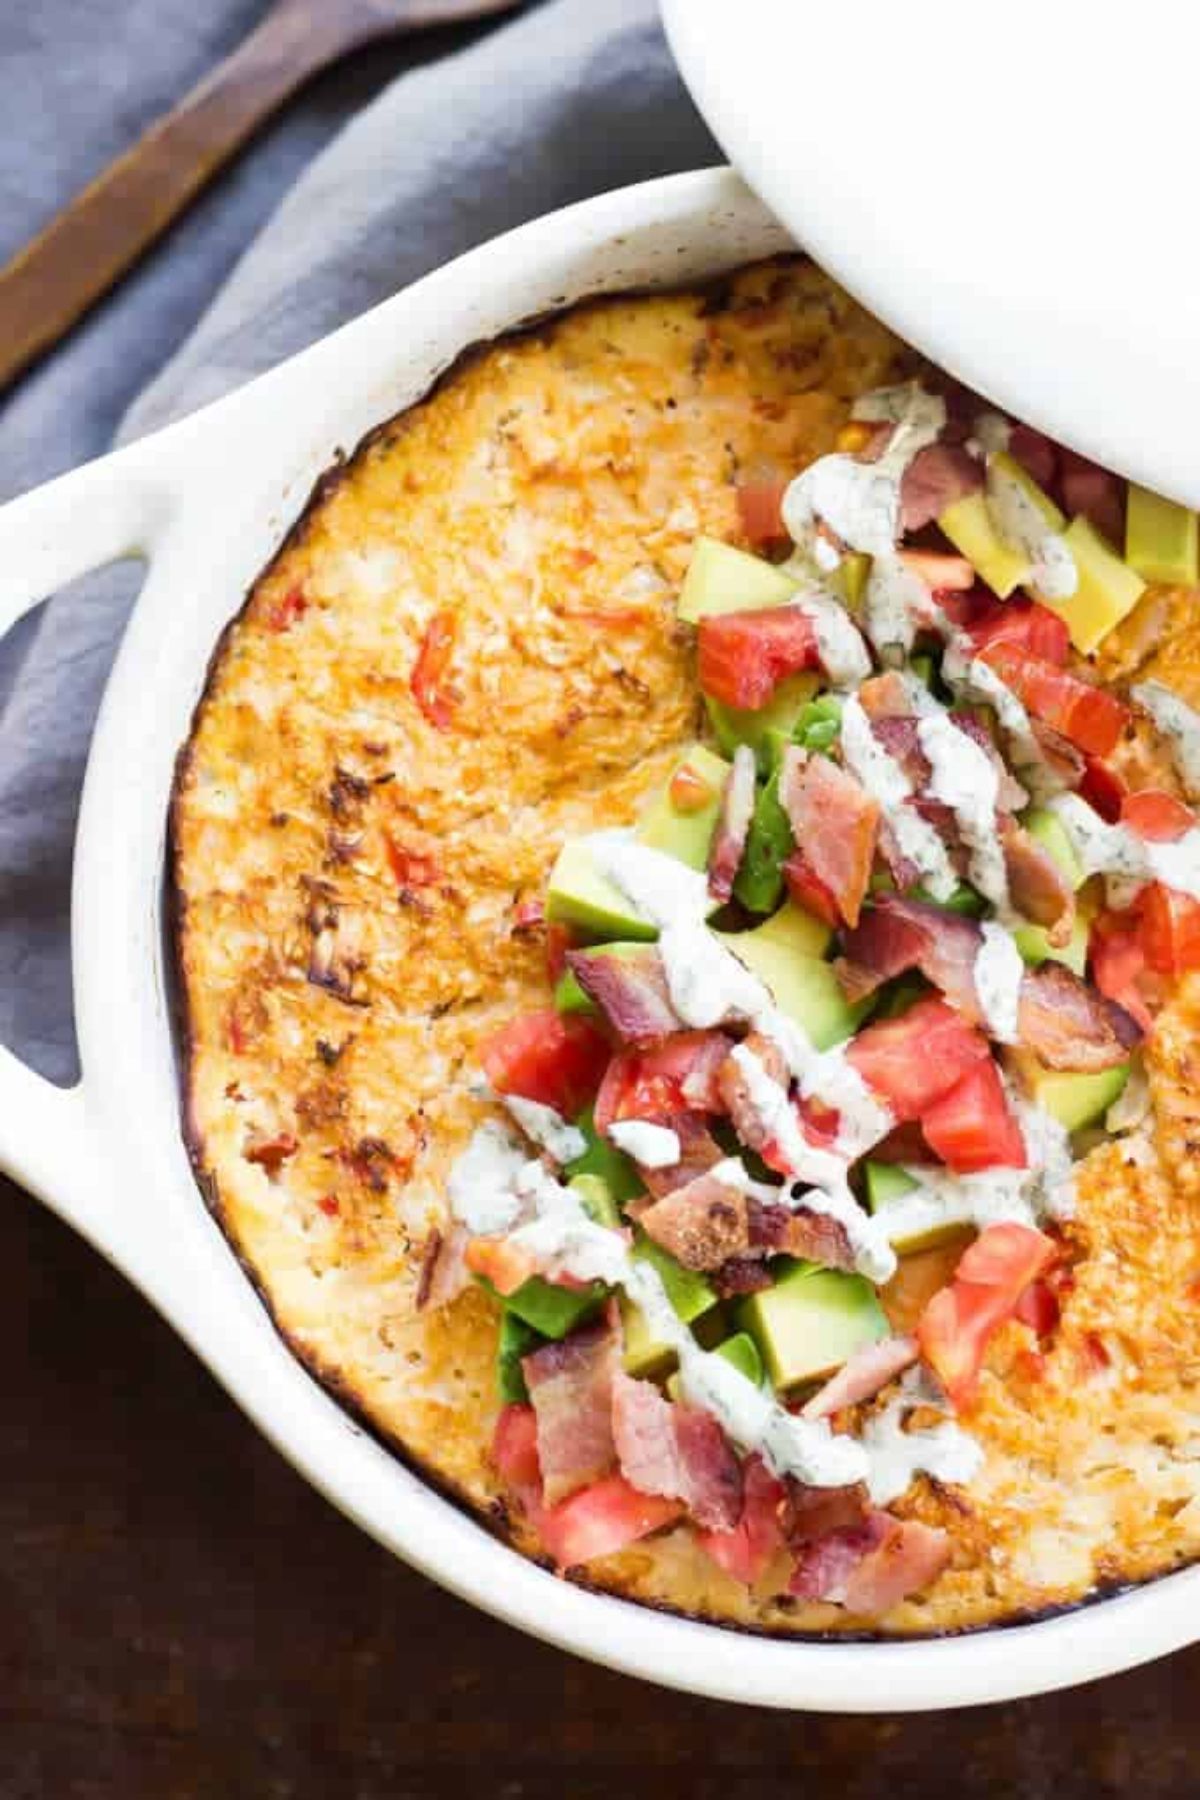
{"points": [[350, 875]]}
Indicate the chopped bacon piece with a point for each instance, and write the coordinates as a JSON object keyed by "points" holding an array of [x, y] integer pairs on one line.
{"points": [[941, 573], [813, 1512], [629, 985], [740, 1275], [1038, 1308], [743, 656], [825, 1566], [746, 1551], [571, 1387], [733, 824], [1090, 717], [784, 1231], [1068, 1025], [912, 1061], [1061, 758], [808, 890], [960, 1320], [759, 505], [866, 1374], [734, 1087], [935, 478], [699, 1151], [702, 1225], [656, 1084], [897, 935], [428, 681], [545, 1057], [885, 697], [1093, 492], [836, 823], [906, 1561], [972, 1127], [1037, 884], [677, 1451]]}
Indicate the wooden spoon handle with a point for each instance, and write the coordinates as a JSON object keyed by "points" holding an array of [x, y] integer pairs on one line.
{"points": [[50, 284]]}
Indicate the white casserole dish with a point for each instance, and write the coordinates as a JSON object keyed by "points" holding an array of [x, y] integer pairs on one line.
{"points": [[206, 503]]}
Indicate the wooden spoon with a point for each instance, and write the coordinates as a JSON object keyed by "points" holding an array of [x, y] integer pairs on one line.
{"points": [[49, 286]]}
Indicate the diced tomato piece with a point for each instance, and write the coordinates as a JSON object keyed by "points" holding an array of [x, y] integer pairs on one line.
{"points": [[1036, 453], [941, 572], [743, 656], [1093, 492], [545, 1057], [809, 891], [1169, 930], [960, 1320], [1118, 958], [912, 1061], [428, 681], [746, 1551], [1103, 789], [1026, 625], [760, 511], [1092, 718], [514, 1446], [1156, 815], [657, 1085], [972, 1127], [602, 1519], [498, 1262]]}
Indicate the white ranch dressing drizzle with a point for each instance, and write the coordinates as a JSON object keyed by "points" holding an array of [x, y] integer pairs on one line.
{"points": [[818, 1177], [998, 971], [885, 780], [965, 779], [945, 1450], [840, 646], [481, 1182], [547, 1128], [894, 601], [1179, 724], [1021, 524], [1115, 850], [860, 501], [654, 1146]]}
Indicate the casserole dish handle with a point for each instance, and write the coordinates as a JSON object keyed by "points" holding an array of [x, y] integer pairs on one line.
{"points": [[101, 513]]}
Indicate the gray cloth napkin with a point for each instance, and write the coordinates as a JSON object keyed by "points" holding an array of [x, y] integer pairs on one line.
{"points": [[565, 101]]}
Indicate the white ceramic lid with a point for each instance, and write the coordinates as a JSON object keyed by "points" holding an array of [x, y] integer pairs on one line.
{"points": [[1011, 188]]}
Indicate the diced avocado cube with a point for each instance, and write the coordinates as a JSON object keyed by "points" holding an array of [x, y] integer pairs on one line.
{"points": [[1051, 834], [733, 726], [968, 525], [1075, 1100], [517, 1339], [802, 985], [884, 1182], [579, 895], [806, 1325], [689, 1293], [616, 1170], [687, 832], [721, 579], [759, 883], [596, 1199], [741, 1351], [922, 667], [1036, 948], [1162, 539], [553, 1310], [1107, 588], [569, 997]]}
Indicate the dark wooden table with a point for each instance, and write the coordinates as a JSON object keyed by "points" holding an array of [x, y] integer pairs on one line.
{"points": [[182, 1618]]}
